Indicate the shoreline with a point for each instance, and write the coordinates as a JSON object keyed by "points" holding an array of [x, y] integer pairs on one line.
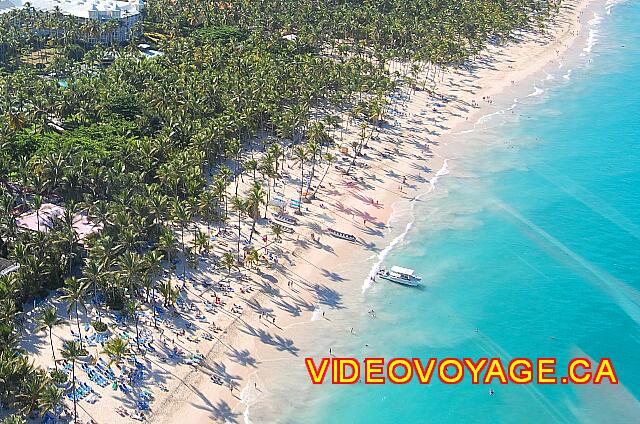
{"points": [[254, 342], [292, 329], [568, 43]]}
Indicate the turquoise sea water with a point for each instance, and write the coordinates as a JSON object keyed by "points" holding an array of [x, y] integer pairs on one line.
{"points": [[533, 239]]}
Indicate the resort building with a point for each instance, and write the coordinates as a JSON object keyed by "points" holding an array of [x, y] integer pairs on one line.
{"points": [[43, 220], [124, 13]]}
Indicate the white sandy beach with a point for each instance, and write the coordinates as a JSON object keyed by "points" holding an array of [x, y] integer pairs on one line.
{"points": [[267, 322], [326, 276]]}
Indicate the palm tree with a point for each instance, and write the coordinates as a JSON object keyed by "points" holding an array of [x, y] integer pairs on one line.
{"points": [[206, 207], [252, 166], [50, 399], [74, 292], [317, 136], [228, 261], [158, 203], [153, 263], [168, 292], [220, 192], [276, 151], [69, 235], [357, 146], [47, 321], [301, 155], [200, 242], [131, 266], [36, 204], [30, 394], [182, 214], [277, 231], [254, 201], [71, 351], [116, 348], [93, 274], [329, 158], [267, 168], [241, 207], [253, 257], [167, 245], [186, 122]]}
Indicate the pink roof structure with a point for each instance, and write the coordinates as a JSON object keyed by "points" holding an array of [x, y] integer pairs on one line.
{"points": [[48, 212]]}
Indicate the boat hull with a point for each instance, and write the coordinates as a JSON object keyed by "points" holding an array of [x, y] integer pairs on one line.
{"points": [[410, 283]]}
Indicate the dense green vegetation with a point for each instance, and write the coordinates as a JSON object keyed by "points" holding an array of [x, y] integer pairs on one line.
{"points": [[147, 145]]}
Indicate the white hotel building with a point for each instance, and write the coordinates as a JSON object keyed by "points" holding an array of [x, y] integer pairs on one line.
{"points": [[126, 13]]}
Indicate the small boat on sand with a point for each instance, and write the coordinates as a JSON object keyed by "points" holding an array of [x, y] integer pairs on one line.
{"points": [[285, 219], [404, 276], [341, 235]]}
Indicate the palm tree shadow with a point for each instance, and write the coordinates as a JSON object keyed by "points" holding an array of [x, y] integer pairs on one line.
{"points": [[328, 296], [292, 309], [220, 412], [220, 370], [303, 304], [259, 309], [268, 289], [370, 246], [270, 278], [332, 275], [280, 343], [243, 357]]}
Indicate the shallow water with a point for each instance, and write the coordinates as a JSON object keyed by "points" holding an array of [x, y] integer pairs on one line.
{"points": [[533, 240]]}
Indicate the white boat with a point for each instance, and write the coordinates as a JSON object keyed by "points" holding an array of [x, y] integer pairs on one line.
{"points": [[400, 275]]}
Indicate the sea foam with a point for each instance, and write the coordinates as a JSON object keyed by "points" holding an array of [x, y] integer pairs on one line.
{"points": [[368, 283], [536, 92], [594, 31]]}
